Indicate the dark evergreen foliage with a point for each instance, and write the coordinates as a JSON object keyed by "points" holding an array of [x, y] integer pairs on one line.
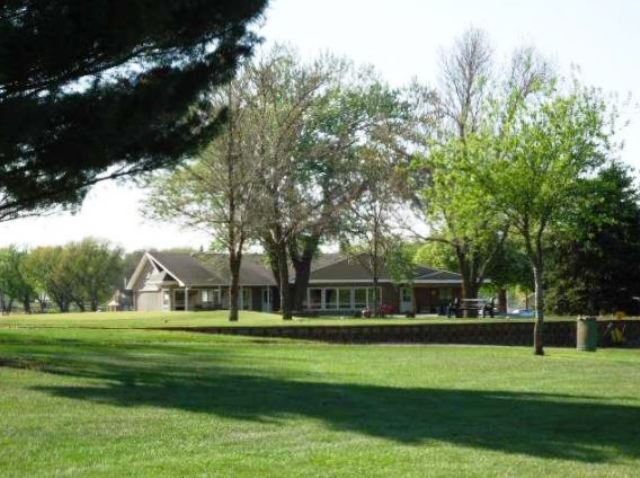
{"points": [[90, 89], [595, 265]]}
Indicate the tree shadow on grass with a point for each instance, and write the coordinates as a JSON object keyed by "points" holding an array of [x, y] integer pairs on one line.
{"points": [[543, 425]]}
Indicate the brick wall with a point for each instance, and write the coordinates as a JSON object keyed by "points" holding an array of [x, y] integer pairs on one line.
{"points": [[557, 333]]}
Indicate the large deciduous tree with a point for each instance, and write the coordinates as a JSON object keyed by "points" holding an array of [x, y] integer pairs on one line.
{"points": [[47, 270], [14, 286], [100, 89], [554, 140], [217, 191], [95, 270], [312, 122], [462, 143]]}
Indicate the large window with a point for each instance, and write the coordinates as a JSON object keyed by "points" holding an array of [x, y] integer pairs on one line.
{"points": [[360, 298], [205, 296], [344, 298], [331, 299], [341, 298], [315, 298], [246, 298], [372, 296]]}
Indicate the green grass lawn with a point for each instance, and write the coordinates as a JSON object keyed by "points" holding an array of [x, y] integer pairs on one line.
{"points": [[83, 402], [204, 319]]}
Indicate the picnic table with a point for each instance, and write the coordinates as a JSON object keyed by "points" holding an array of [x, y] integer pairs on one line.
{"points": [[484, 307]]}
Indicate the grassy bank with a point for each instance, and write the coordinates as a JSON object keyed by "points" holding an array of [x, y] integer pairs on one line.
{"points": [[207, 319], [80, 402]]}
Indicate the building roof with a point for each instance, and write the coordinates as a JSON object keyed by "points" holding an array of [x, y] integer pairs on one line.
{"points": [[209, 269], [187, 269]]}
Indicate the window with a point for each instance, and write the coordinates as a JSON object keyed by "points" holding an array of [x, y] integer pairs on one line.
{"points": [[406, 294], [371, 297], [315, 298], [331, 298], [446, 293], [246, 298], [205, 296], [360, 298], [344, 298], [166, 298]]}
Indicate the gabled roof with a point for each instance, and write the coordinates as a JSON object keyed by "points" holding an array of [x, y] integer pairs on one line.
{"points": [[209, 269], [187, 269], [253, 269], [340, 268], [343, 269]]}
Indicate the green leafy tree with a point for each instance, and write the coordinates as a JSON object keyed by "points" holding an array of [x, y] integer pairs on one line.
{"points": [[13, 284], [218, 190], [102, 89], [309, 122], [370, 234], [509, 269], [460, 145], [552, 143], [47, 270], [95, 270], [357, 115]]}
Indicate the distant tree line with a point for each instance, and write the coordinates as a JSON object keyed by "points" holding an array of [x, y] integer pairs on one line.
{"points": [[81, 276]]}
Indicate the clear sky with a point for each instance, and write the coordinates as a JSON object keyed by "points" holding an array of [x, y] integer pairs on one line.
{"points": [[401, 38]]}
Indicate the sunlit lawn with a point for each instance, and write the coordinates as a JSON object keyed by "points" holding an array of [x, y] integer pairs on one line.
{"points": [[203, 319], [81, 402]]}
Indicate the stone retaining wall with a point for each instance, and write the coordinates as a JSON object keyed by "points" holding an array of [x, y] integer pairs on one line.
{"points": [[557, 333]]}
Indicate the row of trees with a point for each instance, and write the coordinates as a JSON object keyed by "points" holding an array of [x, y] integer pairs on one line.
{"points": [[82, 274], [295, 154], [491, 159], [304, 147]]}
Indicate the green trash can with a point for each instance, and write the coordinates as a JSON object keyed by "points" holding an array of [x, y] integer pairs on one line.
{"points": [[587, 334]]}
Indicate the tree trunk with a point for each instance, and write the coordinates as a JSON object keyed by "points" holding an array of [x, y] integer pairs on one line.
{"points": [[283, 274], [469, 291], [93, 304], [26, 304], [302, 266], [62, 303], [502, 300], [303, 273], [377, 309], [235, 260], [469, 286], [375, 268], [270, 251], [538, 344]]}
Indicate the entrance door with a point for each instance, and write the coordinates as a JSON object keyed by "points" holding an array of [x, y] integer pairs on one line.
{"points": [[406, 300], [267, 303]]}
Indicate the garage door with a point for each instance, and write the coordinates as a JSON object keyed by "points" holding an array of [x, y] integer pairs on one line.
{"points": [[148, 301]]}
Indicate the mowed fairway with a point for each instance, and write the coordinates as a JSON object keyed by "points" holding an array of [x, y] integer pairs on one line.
{"points": [[83, 402]]}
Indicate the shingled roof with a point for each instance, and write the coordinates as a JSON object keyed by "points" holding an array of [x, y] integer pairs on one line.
{"points": [[209, 269], [187, 269]]}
